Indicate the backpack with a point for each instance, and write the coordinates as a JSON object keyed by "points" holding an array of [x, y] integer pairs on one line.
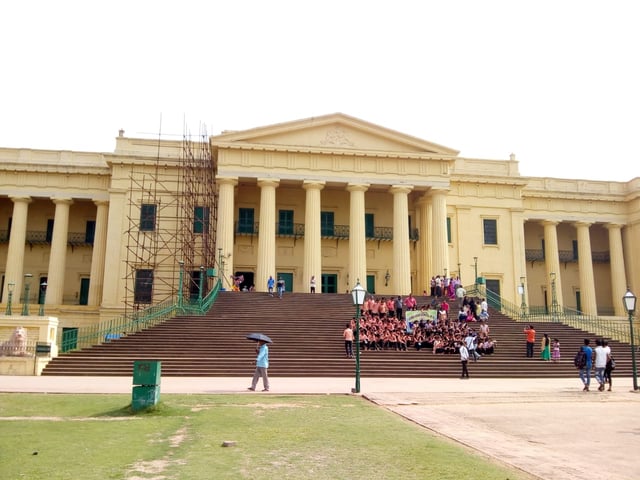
{"points": [[580, 360]]}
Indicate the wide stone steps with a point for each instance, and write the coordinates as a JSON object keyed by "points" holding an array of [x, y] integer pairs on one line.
{"points": [[307, 334]]}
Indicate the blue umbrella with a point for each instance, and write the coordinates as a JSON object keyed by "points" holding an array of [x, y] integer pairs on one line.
{"points": [[257, 337]]}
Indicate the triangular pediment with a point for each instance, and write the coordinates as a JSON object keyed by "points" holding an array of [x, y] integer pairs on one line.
{"points": [[333, 132]]}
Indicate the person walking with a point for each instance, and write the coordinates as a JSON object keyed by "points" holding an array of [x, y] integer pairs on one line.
{"points": [[262, 365], [270, 284], [555, 353], [464, 359], [545, 348], [610, 364], [348, 340], [585, 371], [280, 287], [600, 363], [530, 332]]}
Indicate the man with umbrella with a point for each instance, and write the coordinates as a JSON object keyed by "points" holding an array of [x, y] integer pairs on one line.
{"points": [[262, 361]]}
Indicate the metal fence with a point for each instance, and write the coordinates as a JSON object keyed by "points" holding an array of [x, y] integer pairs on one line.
{"points": [[609, 327], [126, 324]]}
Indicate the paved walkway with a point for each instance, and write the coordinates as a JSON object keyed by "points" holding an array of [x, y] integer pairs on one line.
{"points": [[546, 427]]}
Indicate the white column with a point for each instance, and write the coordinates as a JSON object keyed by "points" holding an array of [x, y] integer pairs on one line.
{"points": [[312, 237], [267, 233], [15, 253], [440, 252], [114, 283], [421, 255], [357, 238], [585, 268], [552, 260], [224, 233], [401, 258], [98, 254], [58, 257], [519, 253], [618, 276]]}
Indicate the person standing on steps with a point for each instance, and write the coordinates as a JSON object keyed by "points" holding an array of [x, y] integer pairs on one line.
{"points": [[312, 284], [280, 287], [348, 340], [270, 284], [530, 332], [545, 348], [464, 360], [262, 365]]}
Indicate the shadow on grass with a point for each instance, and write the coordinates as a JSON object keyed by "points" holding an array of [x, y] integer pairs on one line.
{"points": [[161, 409]]}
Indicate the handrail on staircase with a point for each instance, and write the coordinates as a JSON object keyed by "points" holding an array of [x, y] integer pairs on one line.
{"points": [[120, 326], [608, 327]]}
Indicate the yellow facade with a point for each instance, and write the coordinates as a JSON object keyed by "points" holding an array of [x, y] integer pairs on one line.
{"points": [[334, 197]]}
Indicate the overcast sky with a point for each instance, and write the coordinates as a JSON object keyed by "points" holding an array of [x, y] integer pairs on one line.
{"points": [[557, 82]]}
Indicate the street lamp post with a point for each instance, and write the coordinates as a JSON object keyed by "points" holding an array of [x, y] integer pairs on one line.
{"points": [[10, 286], [629, 301], [43, 296], [554, 297], [27, 287], [180, 284], [523, 306], [358, 293], [475, 269], [200, 285], [459, 273]]}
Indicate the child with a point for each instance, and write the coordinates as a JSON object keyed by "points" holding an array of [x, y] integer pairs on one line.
{"points": [[555, 356]]}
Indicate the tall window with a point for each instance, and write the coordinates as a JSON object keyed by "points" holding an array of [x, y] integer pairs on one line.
{"points": [[143, 292], [490, 229], [285, 222], [369, 225], [574, 244], [49, 233], [326, 224], [90, 232], [147, 217], [448, 229], [245, 220], [200, 219]]}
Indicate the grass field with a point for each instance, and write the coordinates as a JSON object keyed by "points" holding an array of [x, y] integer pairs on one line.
{"points": [[86, 437]]}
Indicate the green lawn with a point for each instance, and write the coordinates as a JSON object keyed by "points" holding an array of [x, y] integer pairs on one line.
{"points": [[85, 437]]}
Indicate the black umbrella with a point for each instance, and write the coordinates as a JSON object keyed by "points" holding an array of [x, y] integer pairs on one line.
{"points": [[257, 337]]}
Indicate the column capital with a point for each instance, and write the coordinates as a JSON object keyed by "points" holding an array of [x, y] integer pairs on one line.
{"points": [[357, 187], [583, 223], [400, 189], [62, 200], [613, 226], [98, 202], [233, 181], [21, 198], [313, 185], [551, 223], [268, 182]]}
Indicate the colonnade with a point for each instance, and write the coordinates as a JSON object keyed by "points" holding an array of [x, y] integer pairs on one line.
{"points": [[585, 266], [14, 266], [434, 233]]}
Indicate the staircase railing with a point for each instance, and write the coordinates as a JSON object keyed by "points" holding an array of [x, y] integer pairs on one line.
{"points": [[135, 322], [608, 327]]}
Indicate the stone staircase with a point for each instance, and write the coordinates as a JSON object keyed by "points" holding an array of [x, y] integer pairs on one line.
{"points": [[307, 339]]}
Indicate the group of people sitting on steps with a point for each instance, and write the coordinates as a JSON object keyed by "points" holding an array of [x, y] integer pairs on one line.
{"points": [[398, 324]]}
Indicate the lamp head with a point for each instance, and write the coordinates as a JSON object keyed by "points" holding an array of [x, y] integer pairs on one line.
{"points": [[11, 286], [358, 293], [629, 301]]}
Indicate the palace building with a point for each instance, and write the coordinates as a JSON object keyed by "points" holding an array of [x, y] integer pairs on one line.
{"points": [[92, 235]]}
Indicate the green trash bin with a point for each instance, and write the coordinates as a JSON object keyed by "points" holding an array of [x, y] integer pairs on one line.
{"points": [[145, 396], [146, 380], [146, 372]]}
